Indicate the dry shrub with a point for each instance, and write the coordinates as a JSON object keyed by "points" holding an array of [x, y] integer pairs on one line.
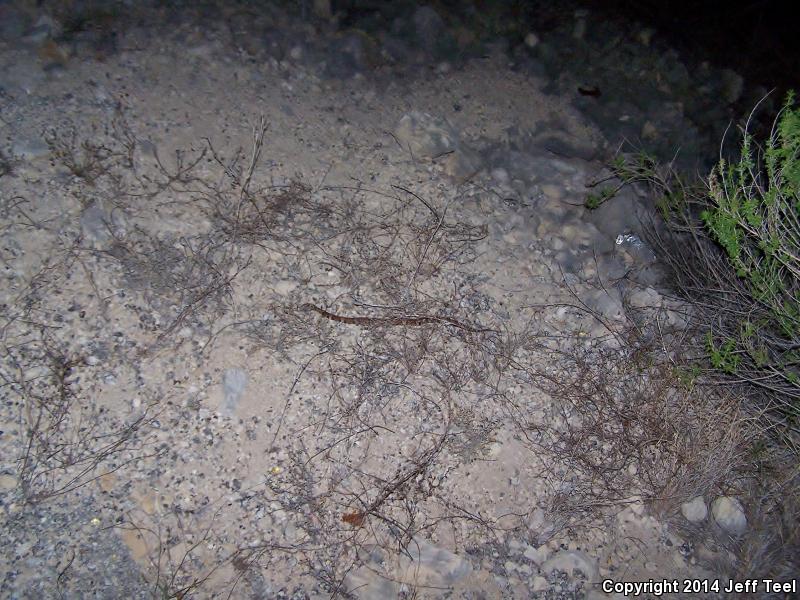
{"points": [[624, 427]]}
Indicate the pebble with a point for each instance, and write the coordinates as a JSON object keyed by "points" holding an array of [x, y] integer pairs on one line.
{"points": [[537, 555], [531, 40], [7, 482], [30, 149], [539, 584], [729, 514], [570, 561], [425, 136], [695, 510], [234, 382]]}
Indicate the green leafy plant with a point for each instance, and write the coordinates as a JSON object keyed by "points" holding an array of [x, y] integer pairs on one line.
{"points": [[754, 214], [733, 245]]}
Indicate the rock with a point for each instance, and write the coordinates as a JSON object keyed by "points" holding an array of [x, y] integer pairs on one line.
{"points": [[638, 251], [234, 381], [646, 298], [427, 566], [500, 175], [607, 302], [563, 144], [695, 510], [45, 28], [135, 542], [428, 26], [7, 482], [349, 54], [579, 31], [463, 163], [531, 40], [439, 566], [539, 584], [622, 213], [570, 561], [732, 85], [322, 9], [645, 36], [30, 149], [425, 135], [537, 555], [100, 225], [729, 515]]}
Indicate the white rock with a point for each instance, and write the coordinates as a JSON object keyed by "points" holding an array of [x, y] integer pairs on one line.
{"points": [[646, 298], [539, 584], [425, 135], [695, 510], [500, 175], [571, 560], [729, 514], [645, 36], [30, 149], [537, 555], [531, 40]]}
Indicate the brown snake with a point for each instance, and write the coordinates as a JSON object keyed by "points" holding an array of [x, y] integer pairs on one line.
{"points": [[391, 321]]}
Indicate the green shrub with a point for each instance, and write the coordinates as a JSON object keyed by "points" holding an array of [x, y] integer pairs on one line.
{"points": [[754, 214], [733, 246]]}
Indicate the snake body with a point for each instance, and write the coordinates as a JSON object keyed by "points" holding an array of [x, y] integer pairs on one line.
{"points": [[414, 320]]}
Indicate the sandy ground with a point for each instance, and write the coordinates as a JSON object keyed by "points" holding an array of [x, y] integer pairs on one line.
{"points": [[171, 215]]}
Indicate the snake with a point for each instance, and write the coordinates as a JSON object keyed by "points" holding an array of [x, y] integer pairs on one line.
{"points": [[414, 320]]}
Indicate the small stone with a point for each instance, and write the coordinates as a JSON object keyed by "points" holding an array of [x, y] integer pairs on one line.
{"points": [[579, 30], [732, 85], [7, 482], [531, 40], [537, 519], [646, 298], [463, 163], [649, 131], [695, 510], [107, 481], [425, 135], [645, 36], [553, 192], [500, 175], [234, 381], [428, 26], [729, 515], [30, 149], [539, 584], [147, 502], [322, 9], [492, 450], [135, 542], [570, 561], [537, 555]]}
